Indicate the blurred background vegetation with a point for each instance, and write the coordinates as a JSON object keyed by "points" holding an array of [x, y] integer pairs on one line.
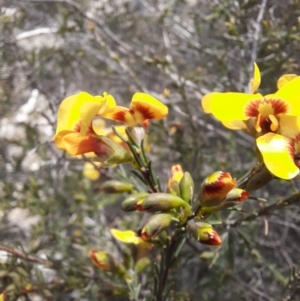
{"points": [[51, 215]]}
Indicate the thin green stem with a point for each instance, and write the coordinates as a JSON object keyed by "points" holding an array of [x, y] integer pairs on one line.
{"points": [[170, 252]]}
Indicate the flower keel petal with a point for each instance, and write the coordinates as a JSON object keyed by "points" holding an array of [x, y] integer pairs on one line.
{"points": [[277, 155]]}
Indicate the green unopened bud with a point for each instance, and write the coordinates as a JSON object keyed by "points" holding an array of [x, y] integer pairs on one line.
{"points": [[163, 202], [204, 233], [155, 225], [186, 186], [112, 153], [258, 177], [215, 188], [142, 264], [106, 262], [113, 186], [129, 204]]}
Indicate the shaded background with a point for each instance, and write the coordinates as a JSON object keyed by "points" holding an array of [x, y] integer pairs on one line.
{"points": [[176, 51]]}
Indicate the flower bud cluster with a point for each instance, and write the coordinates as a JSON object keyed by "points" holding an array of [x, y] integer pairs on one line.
{"points": [[178, 207]]}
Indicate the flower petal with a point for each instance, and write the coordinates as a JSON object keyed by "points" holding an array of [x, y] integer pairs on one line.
{"points": [[99, 126], [145, 106], [290, 93], [58, 140], [88, 112], [235, 125], [120, 114], [277, 156], [75, 145], [205, 102], [289, 126], [231, 106], [256, 79], [80, 107], [128, 237], [110, 103], [284, 79]]}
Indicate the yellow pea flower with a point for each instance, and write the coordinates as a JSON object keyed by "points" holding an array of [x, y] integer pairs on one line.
{"points": [[255, 113], [271, 119], [142, 108], [74, 132]]}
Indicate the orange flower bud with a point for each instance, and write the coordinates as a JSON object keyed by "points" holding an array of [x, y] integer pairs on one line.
{"points": [[116, 187], [204, 233], [215, 188], [176, 176], [130, 203], [106, 262], [234, 197], [237, 195], [102, 260], [155, 225]]}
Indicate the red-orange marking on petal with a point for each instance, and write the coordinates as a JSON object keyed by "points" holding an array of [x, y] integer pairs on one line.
{"points": [[145, 236], [119, 116], [244, 196], [144, 110], [138, 206], [224, 181], [212, 239], [278, 106], [146, 124], [77, 128]]}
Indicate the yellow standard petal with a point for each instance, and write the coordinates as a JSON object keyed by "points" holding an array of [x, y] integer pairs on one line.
{"points": [[256, 79], [205, 102], [78, 108], [110, 103], [231, 106], [284, 79], [128, 237], [88, 112], [290, 93], [145, 106], [277, 155]]}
